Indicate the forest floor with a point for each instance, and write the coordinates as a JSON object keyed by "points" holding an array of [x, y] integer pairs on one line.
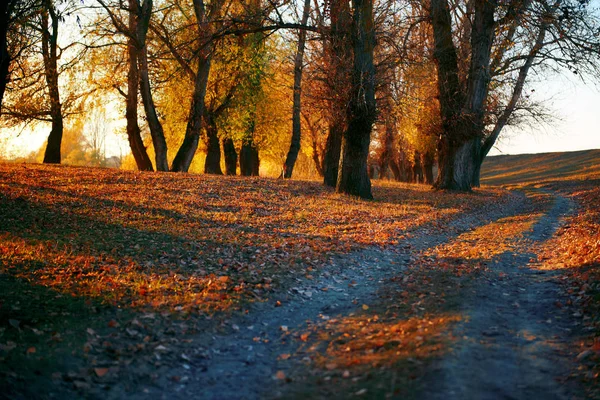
{"points": [[118, 284]]}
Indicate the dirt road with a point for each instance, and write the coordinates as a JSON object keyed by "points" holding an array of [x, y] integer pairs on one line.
{"points": [[511, 342]]}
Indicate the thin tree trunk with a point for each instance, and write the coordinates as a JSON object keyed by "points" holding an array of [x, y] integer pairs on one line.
{"points": [[427, 161], [140, 155], [5, 57], [212, 164], [156, 130], [331, 161], [49, 50], [395, 170], [292, 154], [185, 154], [353, 175], [516, 95], [385, 162], [230, 156]]}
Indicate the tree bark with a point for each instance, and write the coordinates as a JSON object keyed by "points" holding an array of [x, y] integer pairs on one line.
{"points": [[156, 130], [427, 161], [459, 145], [230, 156], [292, 154], [49, 50], [385, 161], [249, 161], [331, 160], [516, 95], [185, 154], [353, 177], [340, 54], [212, 164], [5, 57], [140, 155]]}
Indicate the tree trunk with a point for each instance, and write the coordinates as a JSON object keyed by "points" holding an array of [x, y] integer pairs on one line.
{"points": [[459, 145], [212, 164], [5, 57], [249, 161], [292, 154], [183, 159], [317, 160], [395, 170], [331, 161], [140, 155], [385, 161], [156, 130], [427, 161], [516, 95], [353, 176], [417, 169], [230, 156], [49, 50], [205, 22], [340, 54]]}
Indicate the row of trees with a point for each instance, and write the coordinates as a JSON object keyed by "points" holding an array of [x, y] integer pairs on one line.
{"points": [[352, 85]]}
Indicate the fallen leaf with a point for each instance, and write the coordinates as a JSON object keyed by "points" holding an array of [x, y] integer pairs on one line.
{"points": [[280, 375], [100, 372]]}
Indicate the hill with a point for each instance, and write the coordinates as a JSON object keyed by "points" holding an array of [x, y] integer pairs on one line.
{"points": [[529, 168]]}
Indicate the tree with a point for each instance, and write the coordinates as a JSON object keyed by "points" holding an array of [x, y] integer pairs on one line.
{"points": [[292, 155], [138, 80], [339, 54], [205, 20], [353, 177], [503, 42]]}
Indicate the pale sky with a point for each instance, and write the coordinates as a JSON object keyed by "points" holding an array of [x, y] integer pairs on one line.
{"points": [[577, 106]]}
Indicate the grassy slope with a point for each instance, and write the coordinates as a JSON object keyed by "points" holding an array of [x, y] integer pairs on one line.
{"points": [[530, 168]]}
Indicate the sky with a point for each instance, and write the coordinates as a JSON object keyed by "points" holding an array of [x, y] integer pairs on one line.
{"points": [[576, 107]]}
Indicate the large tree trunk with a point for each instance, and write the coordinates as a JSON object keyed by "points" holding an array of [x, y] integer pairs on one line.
{"points": [[212, 164], [340, 54], [49, 50], [156, 130], [140, 155], [459, 145], [353, 176], [292, 154], [230, 156]]}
